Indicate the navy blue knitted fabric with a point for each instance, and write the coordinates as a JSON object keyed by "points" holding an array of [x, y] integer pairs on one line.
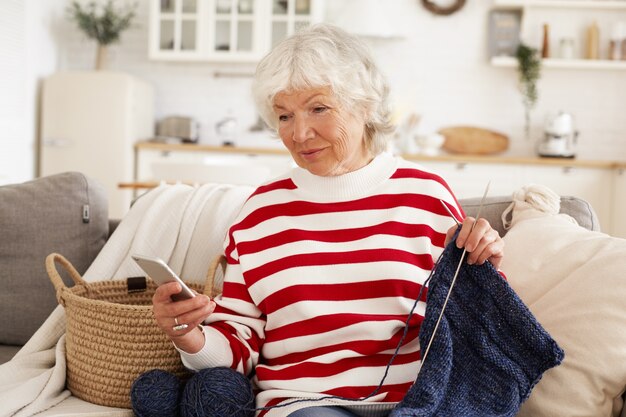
{"points": [[488, 352]]}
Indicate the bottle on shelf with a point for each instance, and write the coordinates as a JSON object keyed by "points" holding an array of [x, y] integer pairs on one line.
{"points": [[566, 48], [593, 42], [545, 50]]}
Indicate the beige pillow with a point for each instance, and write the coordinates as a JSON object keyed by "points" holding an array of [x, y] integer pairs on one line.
{"points": [[574, 281]]}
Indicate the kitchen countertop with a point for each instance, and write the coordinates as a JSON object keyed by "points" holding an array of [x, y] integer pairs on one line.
{"points": [[443, 157], [519, 160]]}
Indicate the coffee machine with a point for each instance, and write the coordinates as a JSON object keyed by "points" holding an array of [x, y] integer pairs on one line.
{"points": [[559, 138]]}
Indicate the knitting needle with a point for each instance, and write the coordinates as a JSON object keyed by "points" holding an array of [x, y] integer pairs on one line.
{"points": [[456, 274], [458, 223]]}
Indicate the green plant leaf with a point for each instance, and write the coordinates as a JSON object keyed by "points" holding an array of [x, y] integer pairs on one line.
{"points": [[529, 71], [103, 23]]}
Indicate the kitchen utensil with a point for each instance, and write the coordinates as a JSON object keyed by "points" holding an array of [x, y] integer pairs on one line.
{"points": [[403, 139], [185, 128], [473, 140], [226, 129], [429, 145], [559, 139]]}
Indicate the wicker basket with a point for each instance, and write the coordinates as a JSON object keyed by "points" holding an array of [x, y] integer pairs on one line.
{"points": [[112, 336]]}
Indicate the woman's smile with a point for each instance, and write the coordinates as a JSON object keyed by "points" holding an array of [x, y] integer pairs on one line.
{"points": [[311, 154]]}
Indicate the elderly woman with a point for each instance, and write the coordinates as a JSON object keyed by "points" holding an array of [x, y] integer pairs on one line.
{"points": [[325, 262]]}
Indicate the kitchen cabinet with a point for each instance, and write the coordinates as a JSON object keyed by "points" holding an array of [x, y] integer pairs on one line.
{"points": [[225, 30], [189, 163], [568, 21], [469, 179], [175, 30], [592, 183], [601, 183]]}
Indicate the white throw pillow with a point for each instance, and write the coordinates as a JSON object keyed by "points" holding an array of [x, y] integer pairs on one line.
{"points": [[574, 281]]}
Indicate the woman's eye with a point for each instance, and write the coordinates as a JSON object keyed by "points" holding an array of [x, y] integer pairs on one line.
{"points": [[283, 118], [320, 109]]}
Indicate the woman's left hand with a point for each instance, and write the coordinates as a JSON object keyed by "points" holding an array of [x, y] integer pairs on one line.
{"points": [[482, 242]]}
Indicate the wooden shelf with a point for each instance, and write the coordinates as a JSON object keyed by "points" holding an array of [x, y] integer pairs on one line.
{"points": [[598, 64], [566, 4]]}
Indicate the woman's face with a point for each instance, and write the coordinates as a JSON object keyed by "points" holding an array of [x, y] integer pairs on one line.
{"points": [[322, 138]]}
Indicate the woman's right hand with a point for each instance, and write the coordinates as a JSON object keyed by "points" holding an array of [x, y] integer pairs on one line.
{"points": [[191, 312]]}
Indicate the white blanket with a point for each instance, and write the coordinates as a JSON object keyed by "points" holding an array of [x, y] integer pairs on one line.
{"points": [[181, 224]]}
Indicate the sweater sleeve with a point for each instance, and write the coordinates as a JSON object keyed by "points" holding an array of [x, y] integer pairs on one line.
{"points": [[215, 352], [236, 323]]}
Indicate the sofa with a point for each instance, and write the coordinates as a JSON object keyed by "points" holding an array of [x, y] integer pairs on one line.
{"points": [[67, 213]]}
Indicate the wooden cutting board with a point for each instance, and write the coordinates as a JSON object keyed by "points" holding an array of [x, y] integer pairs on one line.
{"points": [[473, 140]]}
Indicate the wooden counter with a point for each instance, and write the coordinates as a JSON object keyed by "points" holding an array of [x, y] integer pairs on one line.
{"points": [[191, 147], [444, 157], [517, 160]]}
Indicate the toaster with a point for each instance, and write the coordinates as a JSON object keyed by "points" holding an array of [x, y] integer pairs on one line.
{"points": [[185, 128]]}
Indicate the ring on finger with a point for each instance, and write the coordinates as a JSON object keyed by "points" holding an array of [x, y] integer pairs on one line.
{"points": [[179, 327]]}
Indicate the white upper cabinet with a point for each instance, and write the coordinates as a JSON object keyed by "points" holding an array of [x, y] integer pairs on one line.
{"points": [[175, 29], [225, 30], [287, 16]]}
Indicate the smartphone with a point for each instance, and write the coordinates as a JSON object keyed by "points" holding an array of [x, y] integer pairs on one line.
{"points": [[161, 273]]}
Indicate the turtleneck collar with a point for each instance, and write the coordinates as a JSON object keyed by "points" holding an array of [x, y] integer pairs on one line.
{"points": [[353, 184]]}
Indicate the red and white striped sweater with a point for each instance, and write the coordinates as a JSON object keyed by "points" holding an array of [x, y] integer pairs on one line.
{"points": [[322, 274]]}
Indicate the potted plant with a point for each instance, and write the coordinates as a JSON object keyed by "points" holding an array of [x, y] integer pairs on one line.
{"points": [[529, 71], [103, 23]]}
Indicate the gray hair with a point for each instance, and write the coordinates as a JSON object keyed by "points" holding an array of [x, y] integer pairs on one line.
{"points": [[326, 56]]}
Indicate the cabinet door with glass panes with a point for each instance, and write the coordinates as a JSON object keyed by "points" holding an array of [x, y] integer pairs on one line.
{"points": [[288, 16], [176, 29], [225, 30], [235, 29]]}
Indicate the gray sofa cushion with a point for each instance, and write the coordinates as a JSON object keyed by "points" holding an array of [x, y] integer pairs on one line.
{"points": [[578, 208], [36, 218], [7, 352]]}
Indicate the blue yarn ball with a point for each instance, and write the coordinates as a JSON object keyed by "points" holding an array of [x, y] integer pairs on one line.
{"points": [[217, 392], [156, 393]]}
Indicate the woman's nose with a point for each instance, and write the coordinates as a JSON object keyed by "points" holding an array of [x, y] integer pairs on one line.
{"points": [[301, 130]]}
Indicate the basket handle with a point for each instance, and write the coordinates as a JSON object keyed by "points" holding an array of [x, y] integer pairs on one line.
{"points": [[219, 260], [57, 281]]}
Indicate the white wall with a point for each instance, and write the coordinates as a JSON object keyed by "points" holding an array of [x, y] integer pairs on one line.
{"points": [[28, 52], [13, 143], [439, 70]]}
